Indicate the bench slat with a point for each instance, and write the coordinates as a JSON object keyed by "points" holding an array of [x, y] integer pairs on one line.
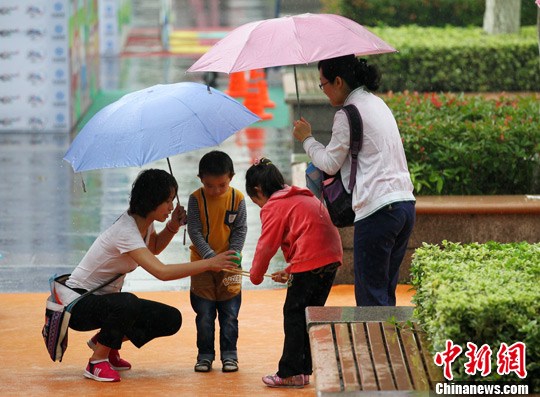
{"points": [[324, 358], [435, 373], [380, 360], [416, 365], [358, 351], [346, 358], [399, 366], [363, 358]]}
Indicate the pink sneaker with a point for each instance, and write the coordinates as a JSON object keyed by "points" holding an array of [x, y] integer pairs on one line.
{"points": [[306, 380], [117, 363], [101, 371], [295, 381]]}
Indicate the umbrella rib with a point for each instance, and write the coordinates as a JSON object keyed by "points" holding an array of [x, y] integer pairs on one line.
{"points": [[302, 54], [350, 30], [244, 46], [196, 114]]}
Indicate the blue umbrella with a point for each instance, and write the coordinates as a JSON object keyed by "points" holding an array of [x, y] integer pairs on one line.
{"points": [[155, 123]]}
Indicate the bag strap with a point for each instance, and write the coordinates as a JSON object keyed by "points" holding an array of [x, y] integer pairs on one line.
{"points": [[233, 199], [70, 306], [357, 136]]}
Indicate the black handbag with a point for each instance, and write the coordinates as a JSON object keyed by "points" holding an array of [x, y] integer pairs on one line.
{"points": [[337, 200]]}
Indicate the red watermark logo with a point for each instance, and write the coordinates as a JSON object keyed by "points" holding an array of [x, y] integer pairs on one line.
{"points": [[509, 359]]}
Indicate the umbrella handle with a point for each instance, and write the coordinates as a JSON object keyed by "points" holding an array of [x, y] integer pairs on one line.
{"points": [[170, 172], [177, 199], [297, 94]]}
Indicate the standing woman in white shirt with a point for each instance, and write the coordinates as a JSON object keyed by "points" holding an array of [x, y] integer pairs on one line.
{"points": [[383, 199], [130, 242]]}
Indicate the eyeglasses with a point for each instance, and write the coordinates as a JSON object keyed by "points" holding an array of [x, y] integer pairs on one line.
{"points": [[323, 84]]}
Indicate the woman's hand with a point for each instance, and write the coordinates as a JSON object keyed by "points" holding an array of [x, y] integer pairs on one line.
{"points": [[178, 217], [302, 129], [149, 262], [222, 261], [280, 277]]}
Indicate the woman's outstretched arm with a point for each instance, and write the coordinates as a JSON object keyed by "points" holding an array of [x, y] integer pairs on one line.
{"points": [[161, 271]]}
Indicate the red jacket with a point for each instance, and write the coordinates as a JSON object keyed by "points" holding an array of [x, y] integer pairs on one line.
{"points": [[298, 222]]}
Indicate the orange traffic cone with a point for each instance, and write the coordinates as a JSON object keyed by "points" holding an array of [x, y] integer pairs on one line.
{"points": [[256, 74], [263, 88], [255, 138], [253, 100], [237, 85], [260, 77]]}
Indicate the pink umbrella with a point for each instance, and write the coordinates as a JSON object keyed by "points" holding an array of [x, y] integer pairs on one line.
{"points": [[290, 40]]}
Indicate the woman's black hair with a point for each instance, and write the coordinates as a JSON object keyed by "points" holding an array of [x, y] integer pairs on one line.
{"points": [[355, 71], [264, 175], [216, 163], [151, 189]]}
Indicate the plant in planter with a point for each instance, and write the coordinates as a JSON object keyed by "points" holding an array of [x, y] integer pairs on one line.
{"points": [[459, 144], [484, 294]]}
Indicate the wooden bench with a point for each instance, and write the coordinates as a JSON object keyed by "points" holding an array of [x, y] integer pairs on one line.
{"points": [[369, 351]]}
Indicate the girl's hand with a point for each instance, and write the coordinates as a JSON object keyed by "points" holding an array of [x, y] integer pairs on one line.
{"points": [[178, 217], [280, 277], [302, 129], [222, 261]]}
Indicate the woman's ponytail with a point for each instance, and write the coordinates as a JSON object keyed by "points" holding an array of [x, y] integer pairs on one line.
{"points": [[355, 71]]}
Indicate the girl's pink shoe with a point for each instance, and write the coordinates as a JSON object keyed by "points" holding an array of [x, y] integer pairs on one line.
{"points": [[295, 381]]}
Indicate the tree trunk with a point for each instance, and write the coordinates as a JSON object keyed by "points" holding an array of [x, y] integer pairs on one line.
{"points": [[502, 16]]}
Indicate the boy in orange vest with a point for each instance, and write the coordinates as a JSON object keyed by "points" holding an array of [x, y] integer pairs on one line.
{"points": [[216, 223]]}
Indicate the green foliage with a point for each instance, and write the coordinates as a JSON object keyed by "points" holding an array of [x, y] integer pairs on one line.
{"points": [[420, 12], [459, 144], [458, 59], [480, 293]]}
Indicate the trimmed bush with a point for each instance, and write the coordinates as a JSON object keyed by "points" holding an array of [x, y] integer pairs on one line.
{"points": [[423, 13], [480, 293], [460, 144], [458, 59]]}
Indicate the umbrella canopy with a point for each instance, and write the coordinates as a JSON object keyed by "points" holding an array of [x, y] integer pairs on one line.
{"points": [[290, 40], [155, 123]]}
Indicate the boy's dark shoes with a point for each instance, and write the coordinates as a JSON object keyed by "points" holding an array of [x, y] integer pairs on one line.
{"points": [[203, 365], [230, 365]]}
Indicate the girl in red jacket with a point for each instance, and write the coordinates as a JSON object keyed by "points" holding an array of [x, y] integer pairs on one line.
{"points": [[293, 219]]}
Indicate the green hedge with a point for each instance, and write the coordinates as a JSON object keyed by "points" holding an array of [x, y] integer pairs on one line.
{"points": [[424, 13], [480, 293], [458, 59], [469, 144]]}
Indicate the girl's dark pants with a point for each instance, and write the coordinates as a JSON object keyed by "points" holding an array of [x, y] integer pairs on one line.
{"points": [[380, 242], [309, 288], [124, 314]]}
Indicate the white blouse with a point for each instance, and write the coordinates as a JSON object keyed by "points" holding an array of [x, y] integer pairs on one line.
{"points": [[382, 175]]}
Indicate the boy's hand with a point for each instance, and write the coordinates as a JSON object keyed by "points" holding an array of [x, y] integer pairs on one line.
{"points": [[281, 277]]}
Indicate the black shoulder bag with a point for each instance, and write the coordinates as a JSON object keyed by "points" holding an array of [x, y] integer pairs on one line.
{"points": [[338, 201]]}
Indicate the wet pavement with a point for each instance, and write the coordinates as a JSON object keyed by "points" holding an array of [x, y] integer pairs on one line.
{"points": [[47, 221]]}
